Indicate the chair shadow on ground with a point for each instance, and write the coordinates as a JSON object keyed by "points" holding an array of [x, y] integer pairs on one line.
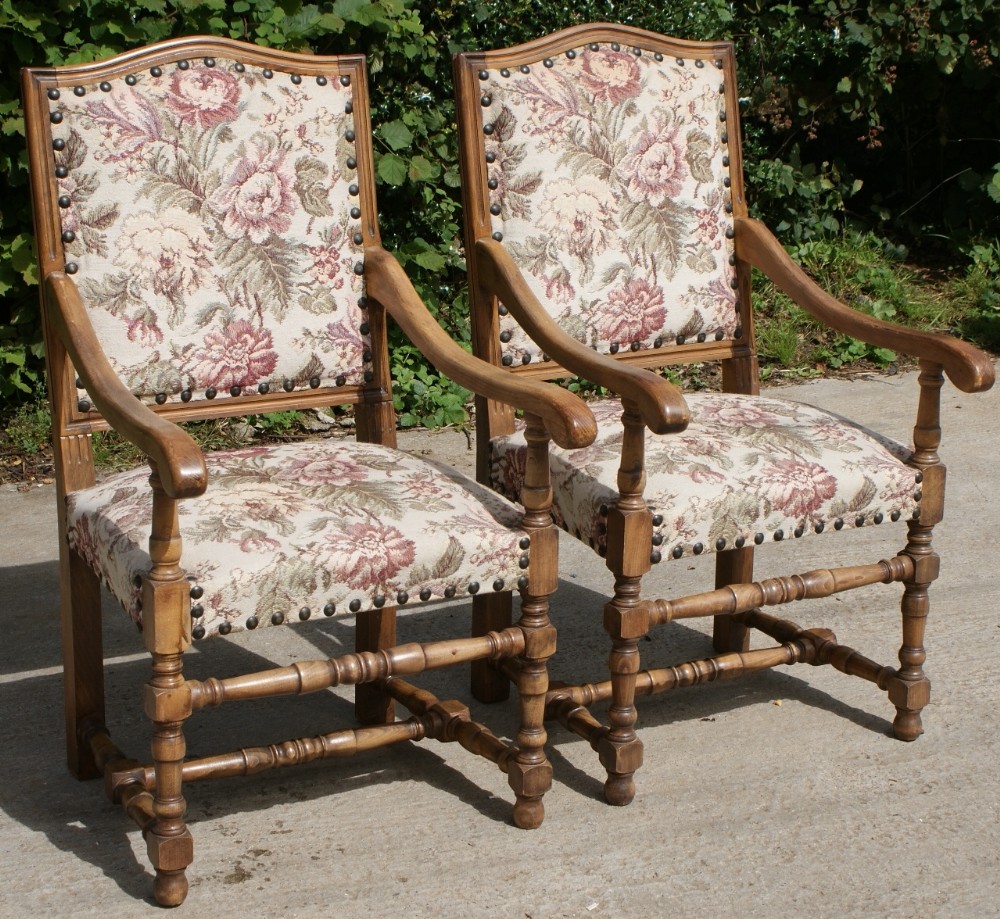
{"points": [[38, 792]]}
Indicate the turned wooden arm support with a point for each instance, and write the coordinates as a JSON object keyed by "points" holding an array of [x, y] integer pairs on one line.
{"points": [[178, 459], [660, 403], [566, 416], [967, 367]]}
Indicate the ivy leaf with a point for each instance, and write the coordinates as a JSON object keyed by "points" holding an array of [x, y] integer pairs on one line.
{"points": [[396, 134], [392, 169], [329, 22], [360, 11]]}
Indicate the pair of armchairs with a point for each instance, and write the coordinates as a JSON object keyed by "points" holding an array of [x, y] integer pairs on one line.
{"points": [[208, 245]]}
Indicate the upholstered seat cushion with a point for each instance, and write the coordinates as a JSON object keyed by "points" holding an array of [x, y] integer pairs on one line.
{"points": [[747, 469], [301, 530]]}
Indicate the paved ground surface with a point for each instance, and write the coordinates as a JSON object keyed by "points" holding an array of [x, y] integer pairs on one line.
{"points": [[780, 795]]}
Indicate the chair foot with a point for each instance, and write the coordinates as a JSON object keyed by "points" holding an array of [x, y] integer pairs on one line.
{"points": [[529, 782], [907, 726], [910, 697], [170, 856], [619, 789], [170, 887], [621, 759], [528, 813]]}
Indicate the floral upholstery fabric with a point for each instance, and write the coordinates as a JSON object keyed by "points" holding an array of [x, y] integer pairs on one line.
{"points": [[747, 469], [608, 170], [210, 217], [310, 529]]}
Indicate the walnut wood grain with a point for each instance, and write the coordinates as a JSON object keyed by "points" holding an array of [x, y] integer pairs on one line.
{"points": [[152, 794], [495, 281], [304, 677]]}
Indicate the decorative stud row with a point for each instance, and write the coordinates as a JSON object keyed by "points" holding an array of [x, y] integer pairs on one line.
{"points": [[262, 389], [161, 398], [330, 609], [721, 543], [156, 71], [595, 46], [615, 347]]}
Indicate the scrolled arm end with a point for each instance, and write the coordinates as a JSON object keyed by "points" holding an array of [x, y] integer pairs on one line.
{"points": [[966, 366]]}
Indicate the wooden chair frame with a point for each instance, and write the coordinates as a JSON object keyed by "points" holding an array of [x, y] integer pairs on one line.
{"points": [[152, 793], [649, 401]]}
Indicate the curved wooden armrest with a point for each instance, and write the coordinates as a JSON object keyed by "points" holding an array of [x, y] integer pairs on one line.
{"points": [[660, 403], [967, 367], [178, 458], [566, 416]]}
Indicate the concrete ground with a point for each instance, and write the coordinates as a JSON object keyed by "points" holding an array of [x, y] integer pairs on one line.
{"points": [[781, 795]]}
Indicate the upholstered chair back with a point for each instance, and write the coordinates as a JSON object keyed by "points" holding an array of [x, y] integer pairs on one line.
{"points": [[608, 166], [212, 214]]}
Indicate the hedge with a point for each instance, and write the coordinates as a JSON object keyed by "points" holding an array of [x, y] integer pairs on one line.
{"points": [[887, 113]]}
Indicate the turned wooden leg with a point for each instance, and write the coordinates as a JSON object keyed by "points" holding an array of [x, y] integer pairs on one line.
{"points": [[83, 663], [530, 773], [733, 566], [620, 750], [375, 630], [490, 613], [626, 617], [909, 690], [166, 632], [168, 840]]}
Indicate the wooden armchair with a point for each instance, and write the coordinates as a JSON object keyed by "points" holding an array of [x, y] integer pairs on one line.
{"points": [[607, 235], [208, 244]]}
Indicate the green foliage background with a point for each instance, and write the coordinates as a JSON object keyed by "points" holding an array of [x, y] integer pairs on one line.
{"points": [[887, 113]]}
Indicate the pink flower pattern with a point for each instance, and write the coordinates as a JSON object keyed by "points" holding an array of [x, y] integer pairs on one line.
{"points": [[369, 555], [633, 311], [625, 165], [257, 198], [202, 229], [654, 170], [236, 355], [207, 97], [611, 76], [795, 487], [746, 468], [335, 509]]}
